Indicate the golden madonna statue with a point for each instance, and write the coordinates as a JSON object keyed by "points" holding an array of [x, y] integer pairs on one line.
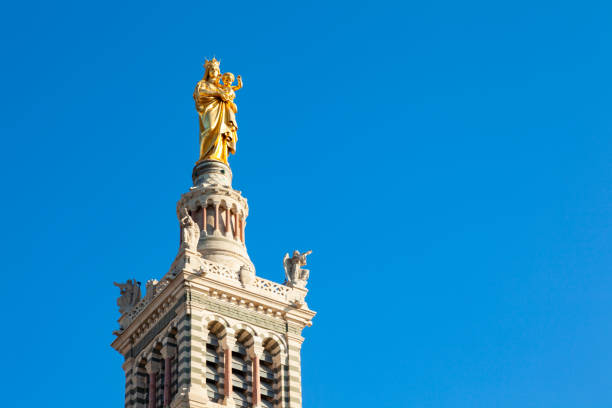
{"points": [[214, 101]]}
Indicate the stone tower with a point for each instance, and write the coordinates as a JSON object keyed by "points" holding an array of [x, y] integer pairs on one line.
{"points": [[210, 332]]}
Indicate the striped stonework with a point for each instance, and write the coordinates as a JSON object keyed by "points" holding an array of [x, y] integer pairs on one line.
{"points": [[139, 398], [130, 383], [183, 340], [294, 372], [285, 381], [197, 369], [204, 339], [211, 333]]}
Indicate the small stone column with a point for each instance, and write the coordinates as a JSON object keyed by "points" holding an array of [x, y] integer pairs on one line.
{"points": [[228, 344], [152, 390], [242, 229], [235, 229], [168, 352], [204, 221], [216, 217], [152, 370], [256, 387], [228, 221], [255, 353]]}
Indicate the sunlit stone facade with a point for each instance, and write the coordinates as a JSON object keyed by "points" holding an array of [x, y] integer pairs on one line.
{"points": [[210, 332]]}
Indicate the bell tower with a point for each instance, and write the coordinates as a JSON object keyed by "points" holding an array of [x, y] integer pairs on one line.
{"points": [[210, 332]]}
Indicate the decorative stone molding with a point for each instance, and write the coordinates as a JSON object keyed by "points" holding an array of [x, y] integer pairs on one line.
{"points": [[212, 268], [272, 288], [158, 321]]}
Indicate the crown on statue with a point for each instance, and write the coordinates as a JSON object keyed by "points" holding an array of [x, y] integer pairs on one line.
{"points": [[212, 63]]}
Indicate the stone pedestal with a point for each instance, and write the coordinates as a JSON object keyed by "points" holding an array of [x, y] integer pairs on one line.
{"points": [[212, 172]]}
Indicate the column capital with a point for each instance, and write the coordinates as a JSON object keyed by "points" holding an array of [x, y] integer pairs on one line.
{"points": [[168, 351], [256, 350], [152, 366], [166, 340], [229, 341]]}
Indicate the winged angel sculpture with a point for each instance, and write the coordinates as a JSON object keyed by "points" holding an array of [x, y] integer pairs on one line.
{"points": [[295, 275], [130, 295]]}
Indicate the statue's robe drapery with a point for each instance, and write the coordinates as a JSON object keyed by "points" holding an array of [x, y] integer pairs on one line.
{"points": [[218, 127]]}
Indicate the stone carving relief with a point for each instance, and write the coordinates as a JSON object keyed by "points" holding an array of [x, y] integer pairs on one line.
{"points": [[294, 274], [152, 289], [129, 295], [247, 275]]}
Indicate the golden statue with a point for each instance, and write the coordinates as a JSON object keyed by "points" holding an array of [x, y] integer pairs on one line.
{"points": [[217, 112]]}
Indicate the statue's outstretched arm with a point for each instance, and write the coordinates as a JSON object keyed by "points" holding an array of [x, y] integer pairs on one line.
{"points": [[237, 87]]}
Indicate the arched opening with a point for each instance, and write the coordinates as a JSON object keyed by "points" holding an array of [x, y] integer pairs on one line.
{"points": [[222, 218], [197, 217], [233, 223], [242, 370], [209, 216], [159, 376], [269, 374], [170, 364]]}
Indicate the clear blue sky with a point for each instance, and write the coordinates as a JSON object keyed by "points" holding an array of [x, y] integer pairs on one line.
{"points": [[447, 161]]}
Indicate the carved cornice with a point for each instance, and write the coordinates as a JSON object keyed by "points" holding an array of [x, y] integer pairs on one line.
{"points": [[201, 194], [192, 278]]}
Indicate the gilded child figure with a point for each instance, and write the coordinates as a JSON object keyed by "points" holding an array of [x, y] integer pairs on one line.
{"points": [[227, 80]]}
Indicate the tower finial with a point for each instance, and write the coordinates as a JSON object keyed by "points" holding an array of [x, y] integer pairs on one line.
{"points": [[216, 108]]}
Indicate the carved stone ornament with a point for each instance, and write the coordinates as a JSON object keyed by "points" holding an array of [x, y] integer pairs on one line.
{"points": [[294, 274], [129, 295], [247, 275], [191, 231], [152, 289]]}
